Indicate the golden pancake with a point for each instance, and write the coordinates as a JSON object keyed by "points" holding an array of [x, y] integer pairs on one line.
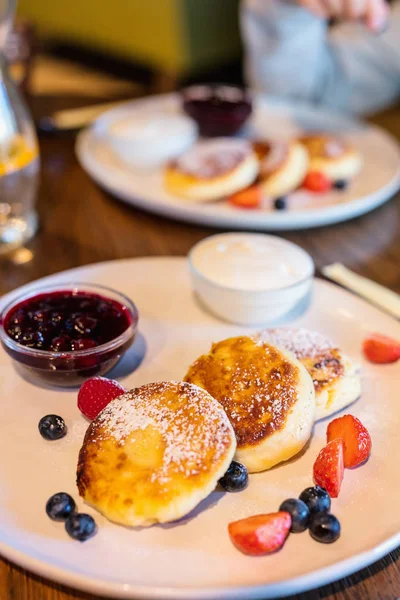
{"points": [[212, 169], [267, 395], [283, 166], [336, 379], [154, 453], [331, 155]]}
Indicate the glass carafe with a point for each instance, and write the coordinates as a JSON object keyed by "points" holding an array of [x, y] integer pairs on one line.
{"points": [[19, 154]]}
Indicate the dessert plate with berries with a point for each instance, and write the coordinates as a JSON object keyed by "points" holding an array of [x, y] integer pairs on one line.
{"points": [[291, 166], [78, 507]]}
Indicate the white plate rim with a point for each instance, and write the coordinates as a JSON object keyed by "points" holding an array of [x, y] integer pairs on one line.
{"points": [[123, 591]]}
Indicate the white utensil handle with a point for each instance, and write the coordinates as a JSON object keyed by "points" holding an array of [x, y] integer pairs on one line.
{"points": [[374, 292], [79, 117]]}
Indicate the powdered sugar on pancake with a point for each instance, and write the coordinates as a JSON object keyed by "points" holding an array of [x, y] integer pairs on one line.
{"points": [[212, 158], [301, 342], [194, 428]]}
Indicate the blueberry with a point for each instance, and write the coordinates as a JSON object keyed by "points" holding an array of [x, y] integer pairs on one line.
{"points": [[31, 339], [236, 478], [41, 315], [56, 317], [60, 506], [316, 498], [38, 339], [27, 338], [80, 526], [324, 527], [84, 324], [340, 184], [70, 323], [15, 332], [299, 512], [46, 329], [280, 203], [52, 427]]}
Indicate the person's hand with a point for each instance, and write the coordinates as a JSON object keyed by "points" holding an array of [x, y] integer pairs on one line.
{"points": [[374, 13]]}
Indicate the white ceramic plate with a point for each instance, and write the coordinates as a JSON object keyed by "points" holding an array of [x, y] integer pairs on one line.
{"points": [[378, 181], [195, 558]]}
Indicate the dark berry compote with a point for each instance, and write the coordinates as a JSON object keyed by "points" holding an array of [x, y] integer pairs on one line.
{"points": [[66, 321], [219, 110], [66, 335]]}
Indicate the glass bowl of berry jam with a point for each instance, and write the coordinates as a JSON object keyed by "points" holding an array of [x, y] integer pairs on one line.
{"points": [[62, 334], [219, 110]]}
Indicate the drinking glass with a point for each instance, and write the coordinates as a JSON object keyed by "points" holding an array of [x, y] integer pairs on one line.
{"points": [[19, 153]]}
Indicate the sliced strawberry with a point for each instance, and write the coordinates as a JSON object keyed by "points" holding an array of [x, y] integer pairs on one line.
{"points": [[329, 468], [317, 182], [96, 393], [261, 534], [250, 197], [356, 439], [381, 348]]}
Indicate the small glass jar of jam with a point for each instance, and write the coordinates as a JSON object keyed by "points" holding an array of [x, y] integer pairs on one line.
{"points": [[219, 110], [63, 334]]}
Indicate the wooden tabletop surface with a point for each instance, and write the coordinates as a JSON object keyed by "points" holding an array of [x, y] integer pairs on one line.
{"points": [[81, 224]]}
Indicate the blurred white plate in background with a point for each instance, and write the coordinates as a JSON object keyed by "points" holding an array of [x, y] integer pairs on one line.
{"points": [[377, 182]]}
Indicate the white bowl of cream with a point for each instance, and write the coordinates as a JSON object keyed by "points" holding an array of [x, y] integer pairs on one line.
{"points": [[250, 278], [146, 140]]}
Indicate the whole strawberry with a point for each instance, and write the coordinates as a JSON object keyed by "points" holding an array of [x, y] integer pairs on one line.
{"points": [[381, 349], [329, 467], [96, 393]]}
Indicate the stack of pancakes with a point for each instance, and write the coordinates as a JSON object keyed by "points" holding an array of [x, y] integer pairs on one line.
{"points": [[155, 452], [216, 168]]}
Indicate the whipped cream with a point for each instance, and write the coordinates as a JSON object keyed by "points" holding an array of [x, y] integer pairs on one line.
{"points": [[252, 262]]}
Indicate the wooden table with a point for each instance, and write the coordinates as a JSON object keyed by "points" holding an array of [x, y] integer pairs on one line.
{"points": [[81, 224]]}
